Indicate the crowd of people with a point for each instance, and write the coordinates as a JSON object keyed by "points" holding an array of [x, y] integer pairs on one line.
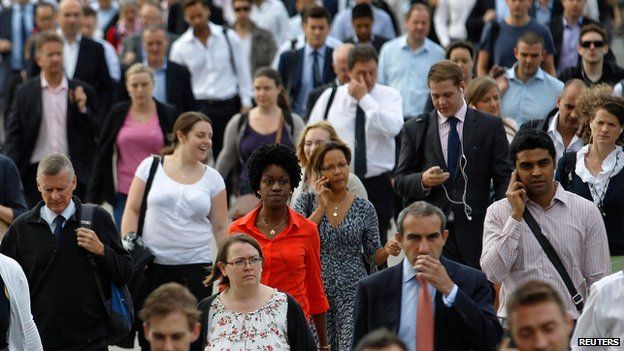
{"points": [[283, 153]]}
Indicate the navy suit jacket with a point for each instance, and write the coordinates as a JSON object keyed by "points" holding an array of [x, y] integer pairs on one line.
{"points": [[486, 149], [291, 69], [470, 324]]}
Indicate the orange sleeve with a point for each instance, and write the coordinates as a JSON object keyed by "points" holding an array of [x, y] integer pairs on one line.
{"points": [[316, 293]]}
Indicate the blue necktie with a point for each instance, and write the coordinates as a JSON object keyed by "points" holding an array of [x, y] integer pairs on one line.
{"points": [[316, 71], [453, 146], [58, 226], [360, 143]]}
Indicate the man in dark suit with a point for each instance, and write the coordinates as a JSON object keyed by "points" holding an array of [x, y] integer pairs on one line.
{"points": [[83, 58], [173, 81], [451, 157], [362, 20], [51, 113], [307, 68], [400, 298]]}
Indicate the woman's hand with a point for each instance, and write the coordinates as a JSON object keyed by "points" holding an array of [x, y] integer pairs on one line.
{"points": [[322, 192], [392, 247]]}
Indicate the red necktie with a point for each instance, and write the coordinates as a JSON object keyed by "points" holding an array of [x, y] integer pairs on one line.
{"points": [[424, 318]]}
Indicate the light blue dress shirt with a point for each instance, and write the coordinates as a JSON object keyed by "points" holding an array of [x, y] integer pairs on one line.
{"points": [[49, 216], [531, 100], [306, 80], [502, 10], [409, 304], [17, 49], [160, 82], [569, 46], [406, 70], [342, 27], [543, 15]]}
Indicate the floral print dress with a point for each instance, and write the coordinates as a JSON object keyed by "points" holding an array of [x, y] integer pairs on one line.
{"points": [[260, 330]]}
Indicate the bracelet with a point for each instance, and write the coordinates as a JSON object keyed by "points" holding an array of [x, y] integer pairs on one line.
{"points": [[325, 347]]}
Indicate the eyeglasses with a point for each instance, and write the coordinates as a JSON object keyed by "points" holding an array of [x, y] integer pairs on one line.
{"points": [[242, 9], [341, 166], [242, 262], [588, 43]]}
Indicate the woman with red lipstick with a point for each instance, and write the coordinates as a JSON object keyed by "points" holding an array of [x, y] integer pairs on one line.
{"points": [[595, 171], [290, 241], [347, 225]]}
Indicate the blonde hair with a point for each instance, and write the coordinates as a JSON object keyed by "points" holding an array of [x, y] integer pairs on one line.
{"points": [[588, 102], [333, 136], [139, 68]]}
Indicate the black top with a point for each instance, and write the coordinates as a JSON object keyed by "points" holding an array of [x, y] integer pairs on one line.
{"points": [[611, 74], [5, 315]]}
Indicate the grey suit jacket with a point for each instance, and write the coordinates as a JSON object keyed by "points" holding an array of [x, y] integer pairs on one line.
{"points": [[263, 48]]}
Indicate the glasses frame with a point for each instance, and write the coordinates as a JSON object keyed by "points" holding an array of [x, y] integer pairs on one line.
{"points": [[242, 262], [588, 43]]}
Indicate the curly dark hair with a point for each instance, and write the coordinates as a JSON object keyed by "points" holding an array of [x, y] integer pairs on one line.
{"points": [[273, 154]]}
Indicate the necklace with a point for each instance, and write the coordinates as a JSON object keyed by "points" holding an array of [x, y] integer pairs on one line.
{"points": [[335, 213], [272, 231]]}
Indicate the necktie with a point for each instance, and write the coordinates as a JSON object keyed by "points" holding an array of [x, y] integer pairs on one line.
{"points": [[453, 146], [58, 226], [316, 71], [424, 318], [360, 143]]}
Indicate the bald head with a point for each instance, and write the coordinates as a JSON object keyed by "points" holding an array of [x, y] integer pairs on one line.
{"points": [[340, 64], [566, 103], [70, 18]]}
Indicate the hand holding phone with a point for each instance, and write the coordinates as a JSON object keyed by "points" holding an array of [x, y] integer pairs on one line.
{"points": [[516, 195], [434, 176]]}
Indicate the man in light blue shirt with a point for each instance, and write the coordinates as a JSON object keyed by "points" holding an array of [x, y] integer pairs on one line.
{"points": [[404, 62], [531, 92], [22, 26], [342, 27]]}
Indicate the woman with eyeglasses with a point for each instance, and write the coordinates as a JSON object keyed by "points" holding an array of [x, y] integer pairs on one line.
{"points": [[289, 240], [347, 226], [248, 315]]}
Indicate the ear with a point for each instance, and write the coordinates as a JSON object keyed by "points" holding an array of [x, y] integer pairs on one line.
{"points": [[605, 49], [558, 102], [196, 331], [146, 332], [74, 182], [221, 267], [516, 52], [445, 235]]}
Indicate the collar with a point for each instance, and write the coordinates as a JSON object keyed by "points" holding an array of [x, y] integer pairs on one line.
{"points": [[511, 74], [65, 41], [249, 220], [48, 215], [408, 271], [24, 8], [538, 7], [161, 68], [561, 195], [611, 165], [45, 84], [552, 125], [214, 30], [578, 23], [460, 114], [423, 48], [308, 50]]}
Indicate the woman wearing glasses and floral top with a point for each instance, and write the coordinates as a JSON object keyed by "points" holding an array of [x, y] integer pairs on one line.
{"points": [[347, 225], [248, 315]]}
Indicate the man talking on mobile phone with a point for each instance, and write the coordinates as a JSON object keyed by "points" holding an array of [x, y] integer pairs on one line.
{"points": [[537, 208]]}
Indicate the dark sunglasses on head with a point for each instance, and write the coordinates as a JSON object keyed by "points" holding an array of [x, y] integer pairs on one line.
{"points": [[242, 9], [597, 43]]}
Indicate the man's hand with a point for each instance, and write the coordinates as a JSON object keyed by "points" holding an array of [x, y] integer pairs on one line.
{"points": [[489, 15], [90, 241], [516, 195], [357, 88], [129, 58], [5, 45], [433, 272], [80, 98], [434, 177]]}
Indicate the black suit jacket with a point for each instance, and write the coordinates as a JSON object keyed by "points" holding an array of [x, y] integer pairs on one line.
{"points": [[474, 22], [92, 69], [101, 187], [487, 162], [6, 27], [470, 324], [291, 69], [377, 42], [178, 90], [25, 121]]}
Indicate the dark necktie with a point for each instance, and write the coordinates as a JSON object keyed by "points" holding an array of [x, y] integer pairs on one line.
{"points": [[453, 146], [58, 226], [23, 26], [316, 71], [360, 143]]}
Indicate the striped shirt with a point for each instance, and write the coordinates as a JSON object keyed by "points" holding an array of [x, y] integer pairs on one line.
{"points": [[573, 225]]}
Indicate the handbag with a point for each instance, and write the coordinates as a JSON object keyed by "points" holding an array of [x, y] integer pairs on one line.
{"points": [[119, 308], [554, 258]]}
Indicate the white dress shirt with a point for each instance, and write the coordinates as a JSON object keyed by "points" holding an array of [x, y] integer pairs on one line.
{"points": [[70, 54], [603, 316], [384, 119], [450, 19], [212, 76], [272, 16], [575, 144]]}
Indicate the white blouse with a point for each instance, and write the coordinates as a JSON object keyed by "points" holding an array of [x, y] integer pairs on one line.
{"points": [[598, 184], [263, 329]]}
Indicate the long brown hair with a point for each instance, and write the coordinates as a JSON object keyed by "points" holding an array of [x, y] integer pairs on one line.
{"points": [[478, 88], [613, 105], [216, 273], [184, 124], [268, 72]]}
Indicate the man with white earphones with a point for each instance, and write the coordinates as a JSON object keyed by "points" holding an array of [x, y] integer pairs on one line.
{"points": [[451, 157]]}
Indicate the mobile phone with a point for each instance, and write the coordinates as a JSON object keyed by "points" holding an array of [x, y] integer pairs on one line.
{"points": [[327, 185]]}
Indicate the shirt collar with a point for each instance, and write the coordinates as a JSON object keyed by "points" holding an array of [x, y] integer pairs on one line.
{"points": [[48, 215], [45, 84], [561, 195], [321, 51], [423, 48], [460, 114], [161, 68], [78, 37], [578, 23], [408, 271], [249, 220], [552, 125], [511, 73]]}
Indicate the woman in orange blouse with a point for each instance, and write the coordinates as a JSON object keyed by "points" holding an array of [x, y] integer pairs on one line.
{"points": [[290, 242]]}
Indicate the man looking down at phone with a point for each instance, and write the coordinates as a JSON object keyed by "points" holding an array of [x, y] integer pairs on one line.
{"points": [[573, 226], [450, 158], [430, 302]]}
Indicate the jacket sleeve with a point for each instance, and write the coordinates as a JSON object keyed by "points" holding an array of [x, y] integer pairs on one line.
{"points": [[12, 189], [361, 313], [501, 164], [408, 179], [189, 99], [14, 134], [230, 153], [117, 262], [298, 330], [104, 154]]}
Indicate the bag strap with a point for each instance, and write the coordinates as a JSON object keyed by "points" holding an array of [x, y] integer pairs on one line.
{"points": [[292, 62], [87, 211], [554, 258], [334, 88], [229, 45], [150, 179], [569, 165]]}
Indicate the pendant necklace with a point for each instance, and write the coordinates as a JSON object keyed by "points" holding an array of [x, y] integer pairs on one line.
{"points": [[335, 214], [272, 231]]}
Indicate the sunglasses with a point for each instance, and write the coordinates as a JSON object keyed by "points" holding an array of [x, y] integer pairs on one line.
{"points": [[242, 9], [588, 43]]}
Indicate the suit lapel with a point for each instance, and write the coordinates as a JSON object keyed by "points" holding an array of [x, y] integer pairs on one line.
{"points": [[169, 81], [81, 49], [441, 313], [433, 134], [299, 67], [327, 68], [392, 294]]}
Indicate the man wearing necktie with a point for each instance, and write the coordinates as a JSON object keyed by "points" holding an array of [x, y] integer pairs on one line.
{"points": [[430, 302], [53, 248], [452, 157], [367, 116]]}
